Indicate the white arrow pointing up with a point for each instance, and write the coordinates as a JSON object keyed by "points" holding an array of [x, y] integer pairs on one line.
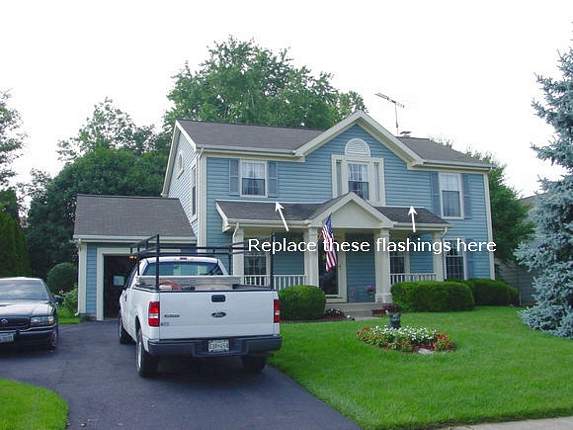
{"points": [[279, 208], [411, 213]]}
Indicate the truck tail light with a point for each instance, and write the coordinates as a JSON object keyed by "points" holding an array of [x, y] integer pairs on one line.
{"points": [[277, 311], [153, 312]]}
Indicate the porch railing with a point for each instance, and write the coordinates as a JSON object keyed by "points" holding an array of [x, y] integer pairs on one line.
{"points": [[409, 277], [280, 281]]}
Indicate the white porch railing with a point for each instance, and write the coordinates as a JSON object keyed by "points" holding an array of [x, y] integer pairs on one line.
{"points": [[280, 281], [409, 277]]}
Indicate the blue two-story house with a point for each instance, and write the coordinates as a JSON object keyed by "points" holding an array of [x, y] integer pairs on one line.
{"points": [[222, 183]]}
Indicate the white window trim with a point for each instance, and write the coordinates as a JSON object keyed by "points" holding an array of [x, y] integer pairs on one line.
{"points": [[464, 256], [459, 175], [255, 196], [370, 161], [180, 167]]}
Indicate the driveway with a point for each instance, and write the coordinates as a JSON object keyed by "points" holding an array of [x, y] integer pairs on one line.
{"points": [[97, 376]]}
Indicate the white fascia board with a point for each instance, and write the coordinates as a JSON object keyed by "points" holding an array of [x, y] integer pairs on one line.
{"points": [[459, 165]]}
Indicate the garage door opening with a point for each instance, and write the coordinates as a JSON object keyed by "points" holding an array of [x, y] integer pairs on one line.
{"points": [[116, 270]]}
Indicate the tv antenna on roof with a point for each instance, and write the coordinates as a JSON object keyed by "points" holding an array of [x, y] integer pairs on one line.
{"points": [[396, 103]]}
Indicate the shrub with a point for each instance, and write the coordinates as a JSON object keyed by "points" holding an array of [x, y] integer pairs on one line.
{"points": [[406, 339], [432, 296], [302, 302], [71, 301], [62, 278], [492, 292]]}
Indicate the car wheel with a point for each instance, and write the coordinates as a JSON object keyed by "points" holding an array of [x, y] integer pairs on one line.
{"points": [[124, 337], [253, 363], [146, 364], [52, 344]]}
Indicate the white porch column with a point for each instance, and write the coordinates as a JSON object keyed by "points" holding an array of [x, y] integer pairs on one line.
{"points": [[239, 258], [382, 268], [311, 258], [438, 259]]}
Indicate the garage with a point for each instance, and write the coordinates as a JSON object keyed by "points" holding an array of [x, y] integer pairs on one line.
{"points": [[104, 229]]}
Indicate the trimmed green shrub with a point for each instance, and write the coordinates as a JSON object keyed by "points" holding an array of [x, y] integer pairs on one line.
{"points": [[432, 296], [62, 278], [492, 292], [70, 302], [302, 302]]}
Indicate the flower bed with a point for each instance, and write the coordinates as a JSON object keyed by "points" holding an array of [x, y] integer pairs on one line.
{"points": [[406, 339]]}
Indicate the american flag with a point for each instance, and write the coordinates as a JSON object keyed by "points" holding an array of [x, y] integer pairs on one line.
{"points": [[328, 237]]}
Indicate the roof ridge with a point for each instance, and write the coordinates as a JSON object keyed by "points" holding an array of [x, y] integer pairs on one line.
{"points": [[252, 125]]}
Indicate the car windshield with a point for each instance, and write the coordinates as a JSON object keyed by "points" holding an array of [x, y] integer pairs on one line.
{"points": [[185, 268], [22, 289]]}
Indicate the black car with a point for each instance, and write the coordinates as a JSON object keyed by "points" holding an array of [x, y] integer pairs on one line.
{"points": [[28, 313]]}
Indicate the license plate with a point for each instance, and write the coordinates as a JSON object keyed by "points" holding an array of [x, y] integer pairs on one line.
{"points": [[7, 338], [221, 345]]}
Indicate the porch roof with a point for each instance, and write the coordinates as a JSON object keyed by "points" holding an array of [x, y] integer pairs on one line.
{"points": [[265, 212]]}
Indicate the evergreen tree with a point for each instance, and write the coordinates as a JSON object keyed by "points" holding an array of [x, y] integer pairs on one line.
{"points": [[13, 252], [551, 254]]}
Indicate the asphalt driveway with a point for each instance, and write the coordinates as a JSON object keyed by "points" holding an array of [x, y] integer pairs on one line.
{"points": [[97, 376]]}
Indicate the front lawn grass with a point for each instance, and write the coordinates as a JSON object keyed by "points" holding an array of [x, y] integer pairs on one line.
{"points": [[26, 407], [502, 370]]}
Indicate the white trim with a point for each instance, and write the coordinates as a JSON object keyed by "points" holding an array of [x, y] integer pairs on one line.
{"points": [[461, 191], [254, 196], [351, 146], [105, 238], [489, 225], [202, 199], [82, 276], [101, 253], [373, 184]]}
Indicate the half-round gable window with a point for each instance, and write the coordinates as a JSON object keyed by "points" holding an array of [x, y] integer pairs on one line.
{"points": [[180, 166], [357, 147]]}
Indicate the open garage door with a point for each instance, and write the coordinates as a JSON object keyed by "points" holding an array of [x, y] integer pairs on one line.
{"points": [[116, 270]]}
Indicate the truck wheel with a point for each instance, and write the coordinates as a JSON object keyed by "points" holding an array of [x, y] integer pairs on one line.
{"points": [[253, 363], [124, 337], [146, 364]]}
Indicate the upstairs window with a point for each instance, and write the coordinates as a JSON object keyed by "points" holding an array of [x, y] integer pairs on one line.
{"points": [[358, 179], [451, 194], [253, 178]]}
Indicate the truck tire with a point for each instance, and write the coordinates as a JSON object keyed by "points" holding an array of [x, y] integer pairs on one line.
{"points": [[145, 363], [254, 363], [124, 337]]}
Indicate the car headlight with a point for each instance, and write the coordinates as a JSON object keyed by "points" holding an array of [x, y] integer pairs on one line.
{"points": [[42, 321]]}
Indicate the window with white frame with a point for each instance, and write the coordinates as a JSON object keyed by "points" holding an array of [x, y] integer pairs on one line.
{"points": [[358, 179], [253, 178], [455, 264], [397, 262], [194, 190], [451, 194], [255, 265]]}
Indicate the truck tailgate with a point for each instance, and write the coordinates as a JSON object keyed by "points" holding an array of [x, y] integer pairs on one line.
{"points": [[211, 314]]}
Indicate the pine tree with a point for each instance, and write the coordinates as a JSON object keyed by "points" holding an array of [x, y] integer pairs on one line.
{"points": [[551, 254]]}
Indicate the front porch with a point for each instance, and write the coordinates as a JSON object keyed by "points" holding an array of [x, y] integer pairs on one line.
{"points": [[361, 276]]}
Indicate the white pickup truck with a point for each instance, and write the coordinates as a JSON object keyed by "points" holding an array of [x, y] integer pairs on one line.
{"points": [[189, 305]]}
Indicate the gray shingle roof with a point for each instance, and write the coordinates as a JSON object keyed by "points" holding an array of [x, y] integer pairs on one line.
{"points": [[116, 216], [265, 211], [213, 134]]}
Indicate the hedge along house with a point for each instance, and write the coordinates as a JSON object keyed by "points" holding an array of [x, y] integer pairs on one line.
{"points": [[226, 179], [104, 228]]}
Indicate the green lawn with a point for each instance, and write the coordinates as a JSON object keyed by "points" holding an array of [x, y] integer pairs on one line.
{"points": [[501, 371], [25, 407]]}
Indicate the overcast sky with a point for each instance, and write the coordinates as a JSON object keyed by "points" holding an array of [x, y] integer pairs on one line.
{"points": [[464, 70]]}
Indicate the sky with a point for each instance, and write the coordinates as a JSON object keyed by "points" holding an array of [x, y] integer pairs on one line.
{"points": [[465, 71]]}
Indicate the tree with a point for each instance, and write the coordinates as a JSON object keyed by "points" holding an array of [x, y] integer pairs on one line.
{"points": [[13, 254], [551, 254], [62, 278], [11, 138], [242, 82], [108, 127], [100, 171]]}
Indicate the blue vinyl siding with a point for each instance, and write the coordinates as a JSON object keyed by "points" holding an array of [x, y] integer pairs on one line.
{"points": [[360, 271], [311, 181], [91, 287]]}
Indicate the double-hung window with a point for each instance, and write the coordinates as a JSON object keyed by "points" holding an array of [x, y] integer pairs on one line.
{"points": [[397, 262], [255, 268], [451, 194], [253, 178], [358, 179], [455, 265]]}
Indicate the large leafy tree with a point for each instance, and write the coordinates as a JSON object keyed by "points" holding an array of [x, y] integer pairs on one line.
{"points": [[551, 254], [242, 82], [13, 253], [11, 138]]}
